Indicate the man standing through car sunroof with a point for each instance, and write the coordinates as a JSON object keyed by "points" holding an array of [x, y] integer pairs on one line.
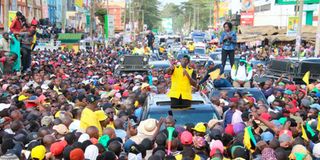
{"points": [[183, 77]]}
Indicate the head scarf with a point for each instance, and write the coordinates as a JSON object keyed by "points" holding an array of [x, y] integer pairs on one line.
{"points": [[91, 152]]}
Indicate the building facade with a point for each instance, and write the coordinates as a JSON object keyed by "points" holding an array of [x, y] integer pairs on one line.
{"points": [[52, 11], [116, 8], [267, 12], [70, 5], [29, 8], [58, 12]]}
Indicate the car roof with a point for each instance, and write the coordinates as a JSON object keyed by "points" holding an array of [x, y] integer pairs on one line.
{"points": [[159, 62], [200, 58], [163, 97]]}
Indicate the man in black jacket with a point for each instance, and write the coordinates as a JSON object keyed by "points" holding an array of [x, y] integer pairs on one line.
{"points": [[219, 81]]}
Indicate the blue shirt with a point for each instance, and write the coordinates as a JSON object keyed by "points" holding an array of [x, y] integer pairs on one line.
{"points": [[228, 44]]}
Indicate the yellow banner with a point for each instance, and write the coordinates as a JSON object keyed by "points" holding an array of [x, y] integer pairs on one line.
{"points": [[78, 3], [12, 15], [292, 26]]}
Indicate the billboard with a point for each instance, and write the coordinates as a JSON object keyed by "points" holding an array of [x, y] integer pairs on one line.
{"points": [[292, 25], [78, 3], [247, 6], [223, 8], [11, 15], [258, 3], [285, 2], [111, 25], [167, 24], [247, 18]]}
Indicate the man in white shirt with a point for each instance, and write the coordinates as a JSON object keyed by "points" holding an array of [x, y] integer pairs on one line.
{"points": [[4, 43], [241, 74]]}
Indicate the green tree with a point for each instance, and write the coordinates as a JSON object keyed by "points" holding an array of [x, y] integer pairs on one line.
{"points": [[174, 11], [151, 13], [144, 10], [100, 13], [193, 13]]}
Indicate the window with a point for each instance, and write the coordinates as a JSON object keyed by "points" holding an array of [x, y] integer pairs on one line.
{"points": [[266, 7]]}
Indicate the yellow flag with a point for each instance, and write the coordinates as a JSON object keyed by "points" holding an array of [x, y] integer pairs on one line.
{"points": [[318, 126], [306, 77], [304, 133], [78, 3], [246, 139], [214, 74]]}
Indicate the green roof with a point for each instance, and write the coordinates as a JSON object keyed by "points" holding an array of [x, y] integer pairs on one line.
{"points": [[69, 37]]}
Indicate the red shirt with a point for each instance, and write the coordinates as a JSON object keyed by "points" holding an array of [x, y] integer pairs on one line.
{"points": [[34, 22], [15, 26]]}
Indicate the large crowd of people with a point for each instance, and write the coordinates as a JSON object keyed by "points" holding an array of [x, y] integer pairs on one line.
{"points": [[72, 106]]}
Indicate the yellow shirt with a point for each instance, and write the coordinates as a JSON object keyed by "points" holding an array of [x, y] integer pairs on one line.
{"points": [[161, 49], [180, 84], [179, 157], [89, 118], [191, 47], [146, 51]]}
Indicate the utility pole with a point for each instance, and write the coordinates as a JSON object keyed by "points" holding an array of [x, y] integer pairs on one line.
{"points": [[64, 5], [194, 17], [318, 34], [298, 39], [198, 16], [210, 17], [6, 15], [125, 15], [142, 12], [91, 22]]}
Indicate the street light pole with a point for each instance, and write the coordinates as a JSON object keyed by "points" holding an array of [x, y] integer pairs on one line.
{"points": [[91, 22], [6, 15], [298, 39], [318, 34]]}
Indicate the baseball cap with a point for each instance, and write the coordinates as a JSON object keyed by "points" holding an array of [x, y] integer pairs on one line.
{"points": [[288, 92], [213, 122], [243, 59], [61, 129], [57, 147], [209, 63], [38, 152], [229, 129], [200, 127], [216, 144], [76, 154], [186, 138], [267, 136], [91, 98]]}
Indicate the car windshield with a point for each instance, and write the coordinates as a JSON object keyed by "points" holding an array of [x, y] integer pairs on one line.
{"points": [[257, 94], [198, 39], [183, 116], [200, 51], [215, 57]]}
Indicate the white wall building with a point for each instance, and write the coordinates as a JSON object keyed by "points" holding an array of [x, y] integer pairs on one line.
{"points": [[269, 13]]}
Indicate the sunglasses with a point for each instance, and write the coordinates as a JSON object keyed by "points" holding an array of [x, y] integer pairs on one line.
{"points": [[109, 112]]}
